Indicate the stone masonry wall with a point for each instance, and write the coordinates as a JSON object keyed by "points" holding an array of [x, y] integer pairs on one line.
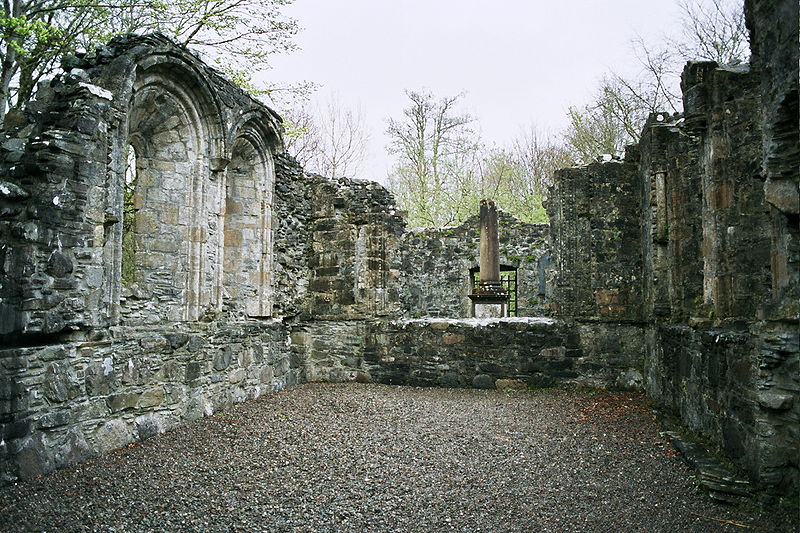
{"points": [[726, 356], [292, 248], [70, 401], [64, 158], [595, 215], [709, 260], [354, 232], [536, 352], [435, 270], [89, 362]]}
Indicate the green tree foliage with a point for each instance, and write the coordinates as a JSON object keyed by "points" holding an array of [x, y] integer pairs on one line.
{"points": [[442, 169], [434, 147], [236, 35], [711, 30]]}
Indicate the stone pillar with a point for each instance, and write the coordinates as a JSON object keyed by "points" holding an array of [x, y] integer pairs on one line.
{"points": [[490, 244], [489, 299]]}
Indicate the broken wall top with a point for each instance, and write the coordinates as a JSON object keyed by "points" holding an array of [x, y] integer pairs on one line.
{"points": [[63, 161]]}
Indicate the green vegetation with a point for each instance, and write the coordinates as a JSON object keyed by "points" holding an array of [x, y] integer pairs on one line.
{"points": [[442, 168], [237, 36]]}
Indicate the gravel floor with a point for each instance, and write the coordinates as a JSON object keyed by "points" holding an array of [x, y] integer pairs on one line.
{"points": [[325, 458]]}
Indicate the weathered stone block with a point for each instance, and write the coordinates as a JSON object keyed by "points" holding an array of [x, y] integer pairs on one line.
{"points": [[59, 265], [100, 379], [779, 401], [58, 384], [147, 426], [237, 376], [34, 458], [74, 450], [55, 419], [176, 340], [152, 397], [193, 371], [154, 343], [510, 384], [266, 375], [113, 435], [119, 402], [222, 358], [452, 380], [282, 366], [483, 381]]}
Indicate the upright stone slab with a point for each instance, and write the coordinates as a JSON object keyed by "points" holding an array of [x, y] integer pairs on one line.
{"points": [[489, 300]]}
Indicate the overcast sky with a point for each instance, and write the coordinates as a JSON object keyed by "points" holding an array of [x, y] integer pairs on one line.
{"points": [[517, 61]]}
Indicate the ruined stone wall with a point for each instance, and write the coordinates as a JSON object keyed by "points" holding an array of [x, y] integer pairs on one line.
{"points": [[292, 248], [709, 261], [536, 352], [436, 263], [203, 195], [673, 270], [354, 232], [429, 352], [67, 402], [595, 214], [730, 367], [219, 254]]}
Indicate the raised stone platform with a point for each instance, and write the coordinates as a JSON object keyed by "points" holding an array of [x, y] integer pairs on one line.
{"points": [[476, 352]]}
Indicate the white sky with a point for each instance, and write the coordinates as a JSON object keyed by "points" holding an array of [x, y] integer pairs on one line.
{"points": [[517, 61]]}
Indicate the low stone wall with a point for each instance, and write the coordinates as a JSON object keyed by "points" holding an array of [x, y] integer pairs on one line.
{"points": [[538, 352], [334, 350], [64, 403], [738, 386], [612, 354], [474, 352], [435, 278]]}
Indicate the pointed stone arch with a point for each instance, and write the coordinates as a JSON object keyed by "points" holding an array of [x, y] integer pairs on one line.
{"points": [[175, 120], [247, 242]]}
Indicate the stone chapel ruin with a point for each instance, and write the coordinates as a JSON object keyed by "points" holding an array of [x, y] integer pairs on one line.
{"points": [[162, 258]]}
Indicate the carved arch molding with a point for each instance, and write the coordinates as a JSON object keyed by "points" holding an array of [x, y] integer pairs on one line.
{"points": [[200, 230]]}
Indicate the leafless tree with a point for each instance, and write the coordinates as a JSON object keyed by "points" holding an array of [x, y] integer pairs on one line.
{"points": [[434, 147], [712, 30], [342, 140], [330, 140], [540, 155], [301, 134]]}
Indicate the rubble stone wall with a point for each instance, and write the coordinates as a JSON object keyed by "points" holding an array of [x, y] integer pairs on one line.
{"points": [[595, 213], [218, 248], [67, 402], [466, 352], [354, 232], [436, 263], [707, 259]]}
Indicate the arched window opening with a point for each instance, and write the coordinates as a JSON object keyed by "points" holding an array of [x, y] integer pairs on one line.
{"points": [[164, 227], [247, 239], [129, 209]]}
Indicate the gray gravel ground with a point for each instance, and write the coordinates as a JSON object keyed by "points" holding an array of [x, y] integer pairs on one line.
{"points": [[336, 458]]}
